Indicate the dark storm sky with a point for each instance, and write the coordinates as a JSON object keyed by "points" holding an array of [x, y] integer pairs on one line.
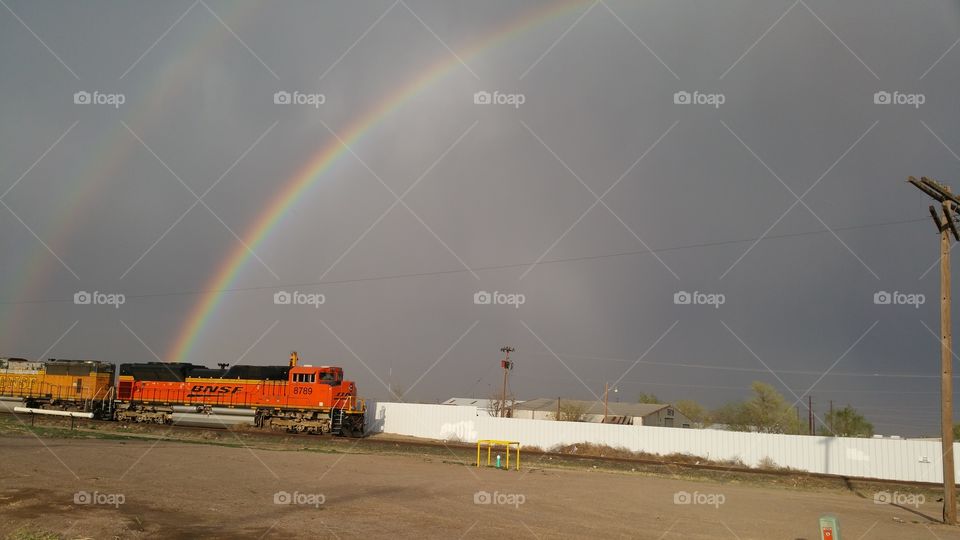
{"points": [[789, 198]]}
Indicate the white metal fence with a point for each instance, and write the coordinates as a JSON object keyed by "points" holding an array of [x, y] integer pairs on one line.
{"points": [[890, 459]]}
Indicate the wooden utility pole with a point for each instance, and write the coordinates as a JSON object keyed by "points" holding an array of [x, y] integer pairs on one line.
{"points": [[830, 417], [606, 389], [949, 204], [946, 376], [507, 366]]}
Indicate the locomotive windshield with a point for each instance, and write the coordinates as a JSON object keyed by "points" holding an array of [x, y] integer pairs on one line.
{"points": [[331, 377]]}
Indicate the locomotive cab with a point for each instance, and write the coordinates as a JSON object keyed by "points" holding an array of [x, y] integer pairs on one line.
{"points": [[323, 383], [319, 379], [332, 376]]}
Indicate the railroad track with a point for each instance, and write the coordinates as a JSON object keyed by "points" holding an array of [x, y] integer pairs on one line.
{"points": [[470, 449]]}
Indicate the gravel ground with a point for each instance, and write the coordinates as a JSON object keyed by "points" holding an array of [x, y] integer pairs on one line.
{"points": [[96, 488]]}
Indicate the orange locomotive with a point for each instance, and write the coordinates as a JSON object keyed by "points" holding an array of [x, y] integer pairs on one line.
{"points": [[301, 398]]}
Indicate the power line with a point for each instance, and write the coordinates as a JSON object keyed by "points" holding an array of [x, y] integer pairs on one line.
{"points": [[487, 268], [717, 387], [746, 369]]}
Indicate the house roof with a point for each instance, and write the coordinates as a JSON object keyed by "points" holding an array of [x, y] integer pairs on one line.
{"points": [[467, 402], [593, 407]]}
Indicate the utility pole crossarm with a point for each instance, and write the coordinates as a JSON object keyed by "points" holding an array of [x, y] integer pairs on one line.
{"points": [[936, 219], [924, 188], [942, 189], [950, 221]]}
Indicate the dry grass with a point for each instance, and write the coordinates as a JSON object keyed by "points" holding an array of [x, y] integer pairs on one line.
{"points": [[605, 451], [32, 534]]}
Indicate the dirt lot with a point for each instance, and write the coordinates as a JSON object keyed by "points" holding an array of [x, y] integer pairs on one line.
{"points": [[56, 487]]}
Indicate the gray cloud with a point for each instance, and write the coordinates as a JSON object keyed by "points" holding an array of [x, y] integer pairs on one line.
{"points": [[799, 98]]}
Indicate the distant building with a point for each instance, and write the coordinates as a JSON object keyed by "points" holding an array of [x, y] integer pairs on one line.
{"points": [[483, 405], [638, 414]]}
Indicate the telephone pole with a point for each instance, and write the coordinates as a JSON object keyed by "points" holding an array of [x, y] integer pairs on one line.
{"points": [[830, 417], [949, 204], [507, 365]]}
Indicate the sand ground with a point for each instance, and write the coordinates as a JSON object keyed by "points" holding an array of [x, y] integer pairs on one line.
{"points": [[96, 488]]}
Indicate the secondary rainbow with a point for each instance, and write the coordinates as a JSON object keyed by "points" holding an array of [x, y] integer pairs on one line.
{"points": [[314, 168], [156, 88]]}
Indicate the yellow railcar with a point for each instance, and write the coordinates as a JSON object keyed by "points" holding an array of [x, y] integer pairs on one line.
{"points": [[67, 385]]}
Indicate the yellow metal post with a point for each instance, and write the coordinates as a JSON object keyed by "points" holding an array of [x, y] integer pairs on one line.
{"points": [[490, 443]]}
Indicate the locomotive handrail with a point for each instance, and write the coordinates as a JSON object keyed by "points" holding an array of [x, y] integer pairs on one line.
{"points": [[350, 403]]}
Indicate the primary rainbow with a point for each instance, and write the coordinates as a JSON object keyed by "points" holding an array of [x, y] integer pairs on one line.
{"points": [[314, 168]]}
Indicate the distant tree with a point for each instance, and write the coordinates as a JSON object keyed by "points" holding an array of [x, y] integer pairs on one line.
{"points": [[956, 432], [847, 422], [767, 411], [732, 414], [396, 391], [696, 412], [570, 411], [648, 398], [494, 405]]}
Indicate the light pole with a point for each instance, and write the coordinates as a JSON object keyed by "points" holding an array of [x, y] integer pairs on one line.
{"points": [[606, 392]]}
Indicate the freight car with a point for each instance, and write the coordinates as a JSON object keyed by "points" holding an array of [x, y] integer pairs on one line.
{"points": [[298, 398], [76, 386]]}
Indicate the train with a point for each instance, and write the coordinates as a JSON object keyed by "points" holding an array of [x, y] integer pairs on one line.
{"points": [[295, 397]]}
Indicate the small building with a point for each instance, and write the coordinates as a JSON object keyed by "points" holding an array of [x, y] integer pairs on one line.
{"points": [[637, 414], [484, 406]]}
